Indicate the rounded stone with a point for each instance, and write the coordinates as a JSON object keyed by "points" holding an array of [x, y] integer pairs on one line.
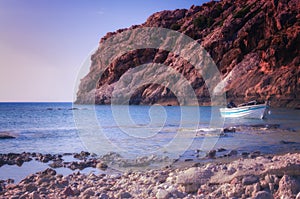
{"points": [[263, 195], [162, 194]]}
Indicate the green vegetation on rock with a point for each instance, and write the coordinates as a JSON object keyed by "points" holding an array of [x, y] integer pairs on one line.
{"points": [[242, 12], [203, 22]]}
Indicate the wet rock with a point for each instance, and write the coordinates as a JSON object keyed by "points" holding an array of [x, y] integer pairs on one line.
{"points": [[198, 150], [10, 181], [80, 165], [263, 195], [287, 142], [6, 135], [273, 126], [245, 154], [14, 158], [211, 154], [248, 180], [255, 154], [101, 165], [56, 164], [232, 153], [229, 130], [221, 150], [82, 155], [19, 161], [49, 171]]}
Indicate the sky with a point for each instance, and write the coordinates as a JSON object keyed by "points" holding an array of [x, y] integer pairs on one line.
{"points": [[43, 43]]}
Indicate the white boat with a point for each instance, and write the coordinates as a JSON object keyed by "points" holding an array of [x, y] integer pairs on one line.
{"points": [[246, 110]]}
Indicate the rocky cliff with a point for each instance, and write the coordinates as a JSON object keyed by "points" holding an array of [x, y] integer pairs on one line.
{"points": [[255, 45]]}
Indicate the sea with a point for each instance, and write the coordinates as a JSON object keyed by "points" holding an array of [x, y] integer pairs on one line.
{"points": [[67, 128], [173, 132]]}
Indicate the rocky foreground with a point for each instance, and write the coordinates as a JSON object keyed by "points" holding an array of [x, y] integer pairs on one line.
{"points": [[261, 177]]}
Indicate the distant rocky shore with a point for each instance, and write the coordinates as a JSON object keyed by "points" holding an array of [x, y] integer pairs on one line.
{"points": [[260, 177]]}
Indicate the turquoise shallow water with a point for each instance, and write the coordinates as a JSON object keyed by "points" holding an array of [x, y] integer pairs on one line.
{"points": [[60, 127]]}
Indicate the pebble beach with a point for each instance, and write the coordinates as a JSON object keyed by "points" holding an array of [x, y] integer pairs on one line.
{"points": [[260, 177]]}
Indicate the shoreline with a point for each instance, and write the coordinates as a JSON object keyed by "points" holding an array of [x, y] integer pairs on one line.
{"points": [[253, 172], [259, 176]]}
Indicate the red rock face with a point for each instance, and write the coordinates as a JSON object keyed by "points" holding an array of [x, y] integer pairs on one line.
{"points": [[255, 45]]}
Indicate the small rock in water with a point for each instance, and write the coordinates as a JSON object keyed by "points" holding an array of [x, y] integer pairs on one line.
{"points": [[101, 165], [272, 126], [56, 164], [198, 150], [49, 172], [254, 154], [221, 149], [245, 154], [232, 153], [211, 154], [287, 142], [10, 181], [81, 155], [6, 135], [229, 130]]}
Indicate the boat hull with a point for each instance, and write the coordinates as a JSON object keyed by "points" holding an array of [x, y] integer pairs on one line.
{"points": [[254, 111]]}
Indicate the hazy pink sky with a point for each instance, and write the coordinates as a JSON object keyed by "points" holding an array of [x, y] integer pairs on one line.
{"points": [[44, 42]]}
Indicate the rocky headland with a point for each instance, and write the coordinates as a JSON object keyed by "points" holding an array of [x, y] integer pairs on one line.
{"points": [[255, 45]]}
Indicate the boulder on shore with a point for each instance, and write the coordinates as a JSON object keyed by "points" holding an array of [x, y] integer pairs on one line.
{"points": [[7, 135]]}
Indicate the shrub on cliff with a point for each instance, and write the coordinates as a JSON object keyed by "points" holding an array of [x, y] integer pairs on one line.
{"points": [[175, 26], [203, 22], [242, 12]]}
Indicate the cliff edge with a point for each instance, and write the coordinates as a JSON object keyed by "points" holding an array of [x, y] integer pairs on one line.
{"points": [[255, 45]]}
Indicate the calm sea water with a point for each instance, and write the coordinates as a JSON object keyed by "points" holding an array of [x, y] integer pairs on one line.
{"points": [[60, 127]]}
